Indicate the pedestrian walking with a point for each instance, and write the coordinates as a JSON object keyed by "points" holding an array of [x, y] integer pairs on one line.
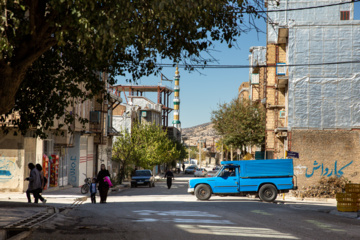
{"points": [[34, 183], [183, 166], [93, 191], [42, 178], [169, 177], [103, 186]]}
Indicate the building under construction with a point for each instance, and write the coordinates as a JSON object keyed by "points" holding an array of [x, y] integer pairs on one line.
{"points": [[139, 108]]}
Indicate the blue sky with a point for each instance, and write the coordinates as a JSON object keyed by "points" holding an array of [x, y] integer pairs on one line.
{"points": [[200, 93]]}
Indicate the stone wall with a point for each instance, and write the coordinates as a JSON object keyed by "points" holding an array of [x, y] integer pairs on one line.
{"points": [[326, 153]]}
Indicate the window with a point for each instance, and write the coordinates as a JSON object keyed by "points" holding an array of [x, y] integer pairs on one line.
{"points": [[344, 15]]}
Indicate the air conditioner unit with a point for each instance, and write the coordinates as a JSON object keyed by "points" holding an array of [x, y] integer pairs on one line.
{"points": [[281, 69], [255, 78], [282, 114]]}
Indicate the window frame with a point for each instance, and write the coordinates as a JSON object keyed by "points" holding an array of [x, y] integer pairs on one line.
{"points": [[344, 15]]}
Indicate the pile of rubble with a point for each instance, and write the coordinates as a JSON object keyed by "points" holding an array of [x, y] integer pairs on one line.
{"points": [[327, 187]]}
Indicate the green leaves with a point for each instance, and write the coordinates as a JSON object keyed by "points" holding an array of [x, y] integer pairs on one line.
{"points": [[146, 146], [113, 36], [241, 123]]}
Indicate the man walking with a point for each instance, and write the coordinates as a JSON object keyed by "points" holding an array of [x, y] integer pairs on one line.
{"points": [[34, 183], [170, 176]]}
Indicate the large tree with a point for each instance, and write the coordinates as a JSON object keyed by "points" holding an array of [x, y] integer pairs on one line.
{"points": [[51, 50], [146, 146], [240, 123]]}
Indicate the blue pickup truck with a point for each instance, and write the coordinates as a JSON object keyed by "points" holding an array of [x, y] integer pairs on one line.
{"points": [[265, 178]]}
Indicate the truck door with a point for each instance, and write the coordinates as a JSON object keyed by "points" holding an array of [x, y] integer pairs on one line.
{"points": [[227, 181]]}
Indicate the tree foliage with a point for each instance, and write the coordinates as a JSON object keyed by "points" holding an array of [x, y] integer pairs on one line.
{"points": [[146, 146], [240, 123], [51, 50]]}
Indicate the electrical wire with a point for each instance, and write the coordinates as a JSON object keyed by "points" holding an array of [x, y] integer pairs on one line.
{"points": [[250, 66], [303, 8]]}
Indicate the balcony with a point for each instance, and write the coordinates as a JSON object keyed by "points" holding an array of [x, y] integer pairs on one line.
{"points": [[282, 81], [283, 34]]}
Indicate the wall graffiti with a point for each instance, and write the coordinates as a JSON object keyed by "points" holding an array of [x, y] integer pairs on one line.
{"points": [[299, 169], [326, 171], [72, 173], [7, 168]]}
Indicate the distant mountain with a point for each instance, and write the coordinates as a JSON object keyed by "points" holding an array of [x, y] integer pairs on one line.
{"points": [[204, 131]]}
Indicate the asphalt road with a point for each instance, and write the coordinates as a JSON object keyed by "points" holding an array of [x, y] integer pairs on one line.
{"points": [[161, 213]]}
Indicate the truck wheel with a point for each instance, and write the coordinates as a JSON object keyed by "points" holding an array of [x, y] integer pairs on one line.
{"points": [[268, 193], [203, 192]]}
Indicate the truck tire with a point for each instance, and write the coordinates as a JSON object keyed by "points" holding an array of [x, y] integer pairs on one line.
{"points": [[268, 193], [203, 192]]}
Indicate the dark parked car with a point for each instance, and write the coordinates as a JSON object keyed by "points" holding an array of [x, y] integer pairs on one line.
{"points": [[143, 177], [190, 169]]}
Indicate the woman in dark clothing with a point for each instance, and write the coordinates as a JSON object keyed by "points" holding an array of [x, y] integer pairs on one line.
{"points": [[170, 176], [103, 187], [40, 169]]}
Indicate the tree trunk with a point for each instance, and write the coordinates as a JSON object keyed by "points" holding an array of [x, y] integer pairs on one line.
{"points": [[9, 85]]}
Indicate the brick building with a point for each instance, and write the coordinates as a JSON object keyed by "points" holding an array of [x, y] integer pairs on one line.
{"points": [[256, 87], [312, 88]]}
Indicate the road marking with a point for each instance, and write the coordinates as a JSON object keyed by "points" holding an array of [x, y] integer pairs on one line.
{"points": [[235, 231], [324, 226], [261, 212], [183, 220], [178, 213], [173, 216]]}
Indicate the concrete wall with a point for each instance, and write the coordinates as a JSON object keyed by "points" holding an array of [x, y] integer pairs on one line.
{"points": [[104, 152], [12, 170], [326, 153], [15, 154], [74, 161], [90, 157]]}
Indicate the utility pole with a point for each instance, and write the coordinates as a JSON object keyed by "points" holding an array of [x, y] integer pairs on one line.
{"points": [[200, 154]]}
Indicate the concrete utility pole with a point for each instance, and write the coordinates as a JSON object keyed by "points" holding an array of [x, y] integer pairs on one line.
{"points": [[200, 141], [200, 155]]}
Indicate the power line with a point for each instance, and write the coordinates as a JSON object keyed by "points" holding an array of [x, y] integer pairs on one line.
{"points": [[304, 8], [249, 66]]}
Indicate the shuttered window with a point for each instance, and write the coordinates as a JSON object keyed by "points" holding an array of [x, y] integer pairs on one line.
{"points": [[344, 15]]}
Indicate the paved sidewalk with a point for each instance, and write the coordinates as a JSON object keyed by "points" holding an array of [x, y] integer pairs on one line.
{"points": [[326, 205], [14, 206]]}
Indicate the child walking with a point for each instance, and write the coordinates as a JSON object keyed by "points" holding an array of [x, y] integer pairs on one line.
{"points": [[93, 190]]}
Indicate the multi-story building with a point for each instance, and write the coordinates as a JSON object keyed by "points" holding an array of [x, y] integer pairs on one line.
{"points": [[257, 61], [243, 92], [312, 80], [66, 159], [254, 89]]}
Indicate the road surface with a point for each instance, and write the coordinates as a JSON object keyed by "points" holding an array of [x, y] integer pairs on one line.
{"points": [[161, 213]]}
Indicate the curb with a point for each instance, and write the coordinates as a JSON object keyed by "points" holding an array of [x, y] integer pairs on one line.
{"points": [[118, 188], [354, 215], [53, 189]]}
